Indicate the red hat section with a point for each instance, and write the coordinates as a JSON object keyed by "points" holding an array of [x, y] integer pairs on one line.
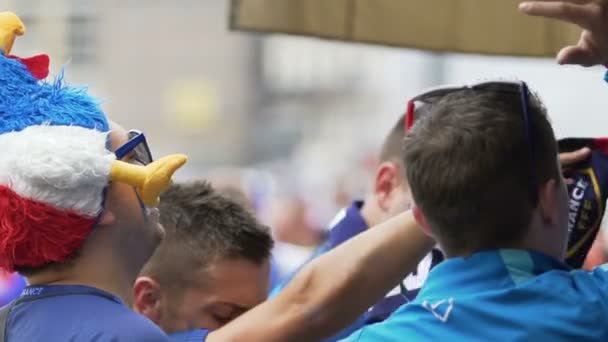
{"points": [[33, 234]]}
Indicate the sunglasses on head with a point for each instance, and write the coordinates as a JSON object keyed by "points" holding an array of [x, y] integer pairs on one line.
{"points": [[137, 146], [513, 87]]}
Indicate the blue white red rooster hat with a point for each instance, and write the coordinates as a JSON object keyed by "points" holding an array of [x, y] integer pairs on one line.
{"points": [[55, 163]]}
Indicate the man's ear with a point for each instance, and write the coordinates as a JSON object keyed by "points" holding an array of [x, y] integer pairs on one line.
{"points": [[421, 220], [147, 298], [547, 202], [387, 179]]}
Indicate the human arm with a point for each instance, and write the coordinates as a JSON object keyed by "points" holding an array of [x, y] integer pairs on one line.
{"points": [[330, 292]]}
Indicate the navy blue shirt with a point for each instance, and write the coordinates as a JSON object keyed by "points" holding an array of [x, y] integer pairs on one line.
{"points": [[76, 313], [501, 295], [347, 224]]}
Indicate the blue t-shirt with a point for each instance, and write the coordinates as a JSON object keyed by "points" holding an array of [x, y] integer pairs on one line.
{"points": [[76, 313], [501, 295], [347, 224], [198, 335]]}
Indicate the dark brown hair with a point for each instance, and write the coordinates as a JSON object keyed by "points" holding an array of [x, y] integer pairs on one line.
{"points": [[203, 226], [468, 164]]}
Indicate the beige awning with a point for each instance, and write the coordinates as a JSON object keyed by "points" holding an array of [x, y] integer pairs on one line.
{"points": [[471, 26]]}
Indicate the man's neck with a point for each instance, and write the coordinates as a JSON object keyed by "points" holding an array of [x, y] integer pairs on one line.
{"points": [[103, 278]]}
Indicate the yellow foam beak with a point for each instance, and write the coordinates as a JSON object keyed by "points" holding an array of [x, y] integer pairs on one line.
{"points": [[150, 180], [10, 27]]}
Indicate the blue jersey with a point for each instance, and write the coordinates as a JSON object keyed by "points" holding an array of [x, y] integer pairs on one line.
{"points": [[76, 313], [347, 224], [501, 295], [11, 285], [198, 335]]}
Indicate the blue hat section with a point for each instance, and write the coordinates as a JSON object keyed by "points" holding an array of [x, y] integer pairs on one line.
{"points": [[25, 101]]}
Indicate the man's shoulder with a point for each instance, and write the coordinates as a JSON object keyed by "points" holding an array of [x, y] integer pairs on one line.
{"points": [[540, 307], [73, 331], [405, 322], [133, 326], [80, 318], [124, 324], [592, 282]]}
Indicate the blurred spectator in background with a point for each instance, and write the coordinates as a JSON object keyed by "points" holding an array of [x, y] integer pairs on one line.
{"points": [[237, 195], [212, 266], [295, 236], [389, 197], [291, 224]]}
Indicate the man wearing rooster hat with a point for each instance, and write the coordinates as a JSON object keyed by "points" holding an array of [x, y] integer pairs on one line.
{"points": [[77, 194]]}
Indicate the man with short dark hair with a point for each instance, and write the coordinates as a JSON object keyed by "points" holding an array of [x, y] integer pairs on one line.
{"points": [[484, 173], [469, 164], [77, 193], [212, 265], [390, 196]]}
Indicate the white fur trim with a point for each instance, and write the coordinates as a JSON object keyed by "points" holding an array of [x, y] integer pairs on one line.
{"points": [[66, 167]]}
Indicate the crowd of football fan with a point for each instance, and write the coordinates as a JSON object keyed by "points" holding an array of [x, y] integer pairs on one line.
{"points": [[478, 214]]}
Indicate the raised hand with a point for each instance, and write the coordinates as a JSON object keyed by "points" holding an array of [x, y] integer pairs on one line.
{"points": [[590, 15]]}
